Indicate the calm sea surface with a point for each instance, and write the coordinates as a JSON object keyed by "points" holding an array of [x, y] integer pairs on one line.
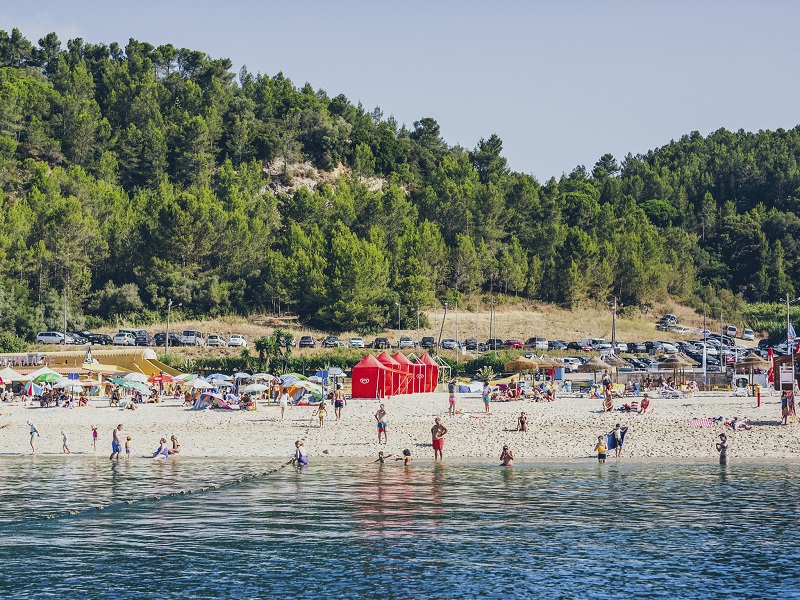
{"points": [[347, 528]]}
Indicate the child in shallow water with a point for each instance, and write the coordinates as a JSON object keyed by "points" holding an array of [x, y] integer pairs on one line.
{"points": [[406, 458], [382, 458]]}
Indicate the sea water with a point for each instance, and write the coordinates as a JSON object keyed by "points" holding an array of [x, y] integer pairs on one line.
{"points": [[351, 528]]}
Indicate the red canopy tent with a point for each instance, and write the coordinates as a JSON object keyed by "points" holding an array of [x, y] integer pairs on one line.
{"points": [[431, 373], [369, 378], [396, 377], [407, 367]]}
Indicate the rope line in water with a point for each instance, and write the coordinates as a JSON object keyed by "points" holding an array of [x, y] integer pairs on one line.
{"points": [[216, 486]]}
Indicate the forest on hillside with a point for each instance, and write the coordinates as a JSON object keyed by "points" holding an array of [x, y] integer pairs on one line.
{"points": [[130, 176]]}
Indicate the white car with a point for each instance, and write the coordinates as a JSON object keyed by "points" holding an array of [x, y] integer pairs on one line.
{"points": [[237, 339], [216, 340], [571, 364], [50, 337], [406, 342], [748, 334], [124, 338], [356, 342]]}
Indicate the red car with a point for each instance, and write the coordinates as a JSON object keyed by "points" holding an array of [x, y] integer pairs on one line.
{"points": [[514, 345]]}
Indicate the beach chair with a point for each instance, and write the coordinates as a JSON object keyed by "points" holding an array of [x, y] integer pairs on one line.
{"points": [[671, 394], [740, 391]]}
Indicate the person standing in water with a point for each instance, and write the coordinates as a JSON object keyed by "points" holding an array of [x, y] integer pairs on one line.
{"points": [[617, 431], [300, 456], [722, 448], [487, 391], [506, 457], [128, 448], [406, 458], [600, 448], [94, 438], [380, 417], [34, 434], [116, 445], [438, 431], [339, 401]]}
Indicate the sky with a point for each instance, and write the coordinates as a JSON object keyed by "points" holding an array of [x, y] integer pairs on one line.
{"points": [[561, 83]]}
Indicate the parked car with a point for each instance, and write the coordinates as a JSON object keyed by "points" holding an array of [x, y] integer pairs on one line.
{"points": [[381, 343], [427, 341], [668, 348], [192, 337], [450, 344], [331, 341], [356, 342], [161, 337], [636, 347], [653, 346], [536, 343], [470, 344], [731, 331], [103, 339], [494, 344], [679, 329], [216, 340], [578, 346], [124, 338], [406, 342], [556, 345], [620, 346], [77, 338], [50, 337], [144, 339], [763, 344], [571, 364], [308, 341], [237, 340], [515, 345], [748, 334], [638, 364]]}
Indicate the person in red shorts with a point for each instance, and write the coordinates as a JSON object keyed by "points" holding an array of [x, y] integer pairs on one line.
{"points": [[438, 431]]}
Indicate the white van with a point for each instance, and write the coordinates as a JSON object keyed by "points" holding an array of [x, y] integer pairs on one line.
{"points": [[730, 331], [748, 334], [192, 337]]}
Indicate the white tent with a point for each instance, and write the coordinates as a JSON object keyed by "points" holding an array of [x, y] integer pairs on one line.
{"points": [[37, 372], [8, 375]]}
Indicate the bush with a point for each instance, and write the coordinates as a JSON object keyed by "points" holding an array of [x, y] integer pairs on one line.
{"points": [[12, 343]]}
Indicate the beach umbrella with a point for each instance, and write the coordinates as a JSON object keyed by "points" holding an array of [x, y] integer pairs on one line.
{"points": [[676, 363], [184, 377], [753, 361], [115, 380], [140, 377], [255, 388], [289, 379], [40, 371], [262, 377], [47, 378], [241, 375], [161, 378], [137, 386], [223, 384], [593, 365], [200, 384], [521, 365], [309, 386], [315, 379], [219, 377]]}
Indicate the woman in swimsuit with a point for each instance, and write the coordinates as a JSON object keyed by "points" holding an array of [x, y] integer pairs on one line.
{"points": [[163, 451], [522, 422], [300, 456], [506, 457], [34, 435], [176, 447], [722, 448]]}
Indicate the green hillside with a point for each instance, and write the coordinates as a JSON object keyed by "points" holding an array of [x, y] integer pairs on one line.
{"points": [[130, 176]]}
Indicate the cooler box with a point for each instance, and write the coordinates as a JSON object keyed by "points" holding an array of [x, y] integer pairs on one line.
{"points": [[559, 374]]}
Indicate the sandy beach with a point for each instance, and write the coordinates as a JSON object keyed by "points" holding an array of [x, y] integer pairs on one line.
{"points": [[566, 428]]}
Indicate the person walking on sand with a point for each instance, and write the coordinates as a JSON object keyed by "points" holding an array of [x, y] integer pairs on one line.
{"points": [[487, 392], [283, 400], [34, 434], [64, 447], [506, 457], [438, 431], [94, 438], [600, 448], [722, 448], [451, 389], [321, 413], [116, 445], [380, 417], [339, 401], [617, 431]]}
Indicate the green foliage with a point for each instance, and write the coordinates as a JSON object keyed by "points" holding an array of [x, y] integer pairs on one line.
{"points": [[129, 176], [11, 343]]}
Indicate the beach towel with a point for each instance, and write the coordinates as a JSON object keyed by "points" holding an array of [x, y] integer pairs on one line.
{"points": [[701, 423], [480, 415], [611, 441]]}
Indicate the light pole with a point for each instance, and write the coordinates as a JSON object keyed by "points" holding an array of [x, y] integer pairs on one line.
{"points": [[614, 328], [398, 325], [418, 340], [166, 339]]}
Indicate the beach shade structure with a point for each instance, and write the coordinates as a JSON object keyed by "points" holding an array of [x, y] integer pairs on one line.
{"points": [[184, 377], [676, 363], [241, 375], [9, 375], [369, 378], [254, 388], [614, 360], [315, 379], [593, 365], [115, 380], [41, 371], [689, 360], [547, 362], [68, 385], [298, 389], [219, 377], [140, 377], [407, 367], [521, 365], [752, 361], [397, 378], [221, 383], [47, 378], [161, 378], [431, 372], [136, 386]]}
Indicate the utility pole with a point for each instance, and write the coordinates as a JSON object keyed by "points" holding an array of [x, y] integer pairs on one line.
{"points": [[614, 328]]}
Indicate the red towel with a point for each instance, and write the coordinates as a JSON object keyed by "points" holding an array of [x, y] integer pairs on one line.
{"points": [[701, 423]]}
